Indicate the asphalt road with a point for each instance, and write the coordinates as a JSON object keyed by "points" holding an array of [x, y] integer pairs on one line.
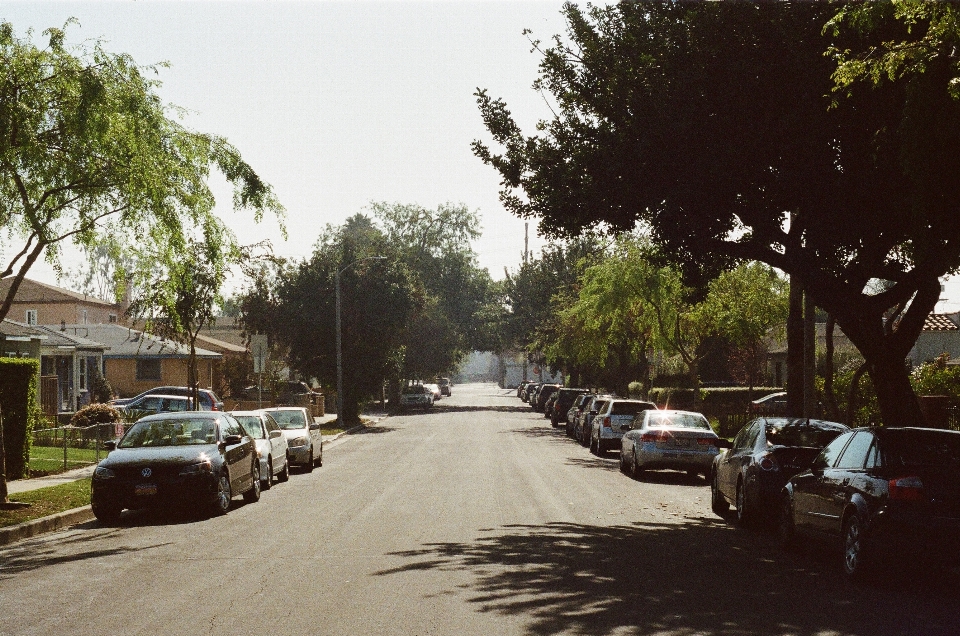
{"points": [[474, 518]]}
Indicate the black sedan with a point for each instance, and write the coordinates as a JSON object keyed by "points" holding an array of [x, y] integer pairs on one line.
{"points": [[201, 457], [764, 455], [883, 491]]}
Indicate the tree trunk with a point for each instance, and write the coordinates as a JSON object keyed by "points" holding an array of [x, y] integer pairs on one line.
{"points": [[833, 411], [3, 464], [795, 349], [809, 357], [853, 393]]}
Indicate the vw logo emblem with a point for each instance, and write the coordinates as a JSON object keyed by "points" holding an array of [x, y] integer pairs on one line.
{"points": [[146, 472]]}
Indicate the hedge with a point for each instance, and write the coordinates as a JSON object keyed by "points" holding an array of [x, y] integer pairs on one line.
{"points": [[21, 411], [713, 401]]}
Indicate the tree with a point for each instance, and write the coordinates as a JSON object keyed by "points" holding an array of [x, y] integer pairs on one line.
{"points": [[711, 122], [90, 155], [293, 303]]}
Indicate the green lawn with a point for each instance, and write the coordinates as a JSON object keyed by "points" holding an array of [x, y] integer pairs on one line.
{"points": [[49, 459], [47, 501]]}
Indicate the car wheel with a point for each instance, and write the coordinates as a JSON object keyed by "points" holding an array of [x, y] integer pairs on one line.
{"points": [[786, 530], [320, 458], [222, 502], [717, 502], [623, 463], [266, 483], [854, 564], [744, 511], [253, 494], [309, 465], [106, 514], [284, 473]]}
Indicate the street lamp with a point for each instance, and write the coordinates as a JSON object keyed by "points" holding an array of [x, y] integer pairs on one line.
{"points": [[340, 421]]}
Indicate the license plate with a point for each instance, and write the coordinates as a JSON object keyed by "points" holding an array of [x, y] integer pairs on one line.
{"points": [[145, 489], [682, 442]]}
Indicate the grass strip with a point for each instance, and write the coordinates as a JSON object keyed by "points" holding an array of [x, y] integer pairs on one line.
{"points": [[47, 501]]}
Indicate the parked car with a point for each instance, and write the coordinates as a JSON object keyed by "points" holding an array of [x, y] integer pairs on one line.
{"points": [[531, 394], [772, 404], [522, 387], [539, 404], [574, 412], [199, 457], [880, 493], [582, 429], [416, 396], [208, 399], [445, 385], [435, 389], [152, 404], [548, 404], [766, 453], [612, 421], [563, 400], [668, 439], [271, 445], [304, 439]]}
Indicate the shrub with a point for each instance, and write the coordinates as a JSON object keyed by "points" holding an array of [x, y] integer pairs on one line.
{"points": [[635, 390], [95, 414], [21, 411]]}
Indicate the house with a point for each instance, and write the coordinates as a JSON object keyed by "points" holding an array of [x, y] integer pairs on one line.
{"points": [[38, 303], [68, 363], [137, 361], [941, 334]]}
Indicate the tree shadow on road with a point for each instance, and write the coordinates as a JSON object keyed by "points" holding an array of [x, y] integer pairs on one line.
{"points": [[694, 577]]}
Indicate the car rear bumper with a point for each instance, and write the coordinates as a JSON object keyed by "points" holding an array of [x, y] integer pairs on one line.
{"points": [[650, 456]]}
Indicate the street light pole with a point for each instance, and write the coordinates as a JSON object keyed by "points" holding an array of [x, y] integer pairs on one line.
{"points": [[336, 279]]}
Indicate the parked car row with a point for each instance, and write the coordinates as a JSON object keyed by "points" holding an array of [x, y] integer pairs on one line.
{"points": [[203, 459], [875, 494]]}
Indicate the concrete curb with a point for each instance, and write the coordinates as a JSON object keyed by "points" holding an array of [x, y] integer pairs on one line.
{"points": [[58, 521]]}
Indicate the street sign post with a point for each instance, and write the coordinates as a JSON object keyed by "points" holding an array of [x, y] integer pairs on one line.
{"points": [[261, 351]]}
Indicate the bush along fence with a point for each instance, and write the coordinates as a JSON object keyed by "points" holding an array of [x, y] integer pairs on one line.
{"points": [[20, 411], [726, 407]]}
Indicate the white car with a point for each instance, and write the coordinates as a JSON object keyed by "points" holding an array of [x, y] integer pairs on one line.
{"points": [[435, 388], [304, 439], [678, 440], [416, 396], [271, 445]]}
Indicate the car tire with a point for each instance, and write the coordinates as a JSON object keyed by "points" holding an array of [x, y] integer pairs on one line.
{"points": [[637, 470], [623, 464], [786, 529], [106, 514], [852, 557], [744, 506], [718, 503], [320, 457], [284, 473], [308, 467], [222, 502], [266, 483], [253, 493]]}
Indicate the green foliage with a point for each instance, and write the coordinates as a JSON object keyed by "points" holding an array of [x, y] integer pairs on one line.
{"points": [[936, 378], [637, 390], [714, 401], [95, 414], [20, 409], [90, 155], [676, 116]]}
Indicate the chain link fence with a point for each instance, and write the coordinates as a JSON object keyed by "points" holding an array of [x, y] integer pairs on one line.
{"points": [[62, 448]]}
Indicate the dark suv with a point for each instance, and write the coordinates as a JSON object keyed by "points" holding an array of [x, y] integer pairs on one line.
{"points": [[208, 399], [565, 399]]}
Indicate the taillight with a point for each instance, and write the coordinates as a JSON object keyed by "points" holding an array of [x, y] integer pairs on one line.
{"points": [[906, 489], [706, 441], [606, 422], [659, 436]]}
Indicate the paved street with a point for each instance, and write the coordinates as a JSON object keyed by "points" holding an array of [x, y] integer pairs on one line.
{"points": [[475, 518]]}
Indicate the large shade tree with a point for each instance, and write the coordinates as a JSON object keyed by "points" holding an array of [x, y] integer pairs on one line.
{"points": [[90, 155], [821, 139]]}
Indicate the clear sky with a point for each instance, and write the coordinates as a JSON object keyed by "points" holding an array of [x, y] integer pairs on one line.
{"points": [[336, 104]]}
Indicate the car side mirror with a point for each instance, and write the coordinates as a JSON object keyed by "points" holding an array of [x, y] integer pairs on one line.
{"points": [[314, 427], [274, 434], [230, 440], [110, 445]]}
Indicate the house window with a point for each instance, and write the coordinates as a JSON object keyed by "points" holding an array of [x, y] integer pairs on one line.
{"points": [[148, 368], [112, 318], [31, 316], [84, 314], [83, 373]]}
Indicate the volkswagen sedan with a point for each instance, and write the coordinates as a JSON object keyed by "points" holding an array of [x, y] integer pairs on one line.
{"points": [[202, 457], [678, 440]]}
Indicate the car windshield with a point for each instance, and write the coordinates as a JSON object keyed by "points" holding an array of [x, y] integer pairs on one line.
{"points": [[921, 448], [169, 432], [289, 420], [628, 408], [679, 420], [251, 424], [802, 434], [415, 390]]}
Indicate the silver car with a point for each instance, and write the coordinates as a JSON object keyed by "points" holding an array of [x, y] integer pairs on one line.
{"points": [[612, 420], [271, 445], [304, 439], [680, 440]]}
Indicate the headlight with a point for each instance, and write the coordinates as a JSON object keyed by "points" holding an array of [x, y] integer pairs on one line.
{"points": [[195, 469], [103, 473], [299, 441]]}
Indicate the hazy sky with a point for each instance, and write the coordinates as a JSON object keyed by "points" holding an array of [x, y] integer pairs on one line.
{"points": [[336, 104]]}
